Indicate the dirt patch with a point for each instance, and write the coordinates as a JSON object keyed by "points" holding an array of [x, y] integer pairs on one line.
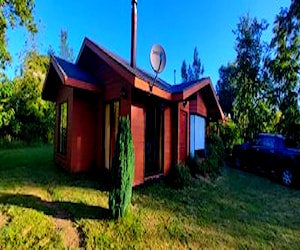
{"points": [[69, 234], [63, 223], [3, 220]]}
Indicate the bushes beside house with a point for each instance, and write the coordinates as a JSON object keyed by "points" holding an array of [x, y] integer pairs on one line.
{"points": [[180, 175], [214, 158]]}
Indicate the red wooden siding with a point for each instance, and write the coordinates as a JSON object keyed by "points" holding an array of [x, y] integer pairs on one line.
{"points": [[197, 105], [99, 133], [183, 136], [125, 107], [65, 94], [167, 141], [83, 131], [138, 137]]}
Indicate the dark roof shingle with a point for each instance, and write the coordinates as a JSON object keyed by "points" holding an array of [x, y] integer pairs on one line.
{"points": [[73, 71]]}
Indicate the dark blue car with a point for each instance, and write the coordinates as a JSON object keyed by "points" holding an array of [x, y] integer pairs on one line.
{"points": [[271, 154]]}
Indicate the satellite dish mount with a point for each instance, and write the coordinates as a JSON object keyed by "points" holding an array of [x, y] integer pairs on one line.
{"points": [[158, 62]]}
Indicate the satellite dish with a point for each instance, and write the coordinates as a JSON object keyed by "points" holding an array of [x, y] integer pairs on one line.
{"points": [[157, 58]]}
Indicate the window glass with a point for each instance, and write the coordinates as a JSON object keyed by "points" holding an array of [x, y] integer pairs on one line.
{"points": [[62, 133]]}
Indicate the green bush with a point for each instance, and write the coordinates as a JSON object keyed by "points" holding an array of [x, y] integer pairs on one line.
{"points": [[229, 133], [215, 155], [179, 176], [194, 164], [122, 171]]}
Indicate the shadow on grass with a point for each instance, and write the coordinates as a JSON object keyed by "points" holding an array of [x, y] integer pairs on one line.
{"points": [[36, 166], [56, 209]]}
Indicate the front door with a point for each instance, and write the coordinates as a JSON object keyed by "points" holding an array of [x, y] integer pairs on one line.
{"points": [[154, 139]]}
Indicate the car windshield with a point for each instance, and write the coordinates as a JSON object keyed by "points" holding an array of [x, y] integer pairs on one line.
{"points": [[264, 141]]}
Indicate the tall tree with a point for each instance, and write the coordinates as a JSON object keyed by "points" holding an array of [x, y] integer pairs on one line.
{"points": [[11, 14], [184, 75], [65, 52], [197, 66], [192, 72], [31, 112], [7, 113], [250, 107], [226, 87], [284, 66]]}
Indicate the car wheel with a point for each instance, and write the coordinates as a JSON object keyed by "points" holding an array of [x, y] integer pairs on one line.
{"points": [[287, 177]]}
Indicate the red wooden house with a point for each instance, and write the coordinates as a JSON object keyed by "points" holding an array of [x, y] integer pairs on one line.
{"points": [[167, 121]]}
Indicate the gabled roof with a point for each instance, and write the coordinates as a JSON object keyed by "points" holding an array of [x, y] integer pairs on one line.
{"points": [[72, 71], [73, 75], [69, 74], [138, 72]]}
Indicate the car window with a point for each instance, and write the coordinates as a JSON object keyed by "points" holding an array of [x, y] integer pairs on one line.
{"points": [[290, 143], [265, 141]]}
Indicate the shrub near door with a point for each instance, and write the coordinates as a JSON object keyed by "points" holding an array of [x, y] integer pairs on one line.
{"points": [[122, 171]]}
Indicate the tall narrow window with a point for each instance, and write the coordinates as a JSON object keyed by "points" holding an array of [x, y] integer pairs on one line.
{"points": [[62, 131]]}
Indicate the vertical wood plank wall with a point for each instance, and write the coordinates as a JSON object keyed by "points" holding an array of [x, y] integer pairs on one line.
{"points": [[138, 137], [167, 141], [83, 131]]}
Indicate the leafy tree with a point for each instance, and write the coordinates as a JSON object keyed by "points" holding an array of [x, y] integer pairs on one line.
{"points": [[122, 171], [251, 107], [192, 72], [34, 117], [284, 67], [7, 113], [11, 14], [65, 52], [226, 87]]}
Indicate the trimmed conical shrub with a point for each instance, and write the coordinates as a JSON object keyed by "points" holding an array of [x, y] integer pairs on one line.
{"points": [[122, 171]]}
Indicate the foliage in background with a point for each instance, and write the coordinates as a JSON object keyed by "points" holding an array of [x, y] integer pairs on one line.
{"points": [[194, 72], [179, 176], [25, 118], [228, 132], [34, 117], [284, 67], [251, 107], [122, 171], [7, 113], [226, 87], [260, 88], [13, 13], [214, 156], [65, 52]]}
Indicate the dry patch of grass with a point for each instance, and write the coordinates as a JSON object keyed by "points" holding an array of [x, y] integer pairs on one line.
{"points": [[3, 220]]}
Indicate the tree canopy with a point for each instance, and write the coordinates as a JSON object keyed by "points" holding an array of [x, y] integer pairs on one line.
{"points": [[192, 72], [261, 87], [14, 13]]}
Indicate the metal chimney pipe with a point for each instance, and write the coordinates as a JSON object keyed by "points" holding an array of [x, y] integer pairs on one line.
{"points": [[133, 33]]}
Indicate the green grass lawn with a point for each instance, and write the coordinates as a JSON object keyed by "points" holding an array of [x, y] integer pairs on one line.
{"points": [[43, 207]]}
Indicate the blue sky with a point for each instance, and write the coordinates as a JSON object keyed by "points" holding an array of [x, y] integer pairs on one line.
{"points": [[178, 26]]}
